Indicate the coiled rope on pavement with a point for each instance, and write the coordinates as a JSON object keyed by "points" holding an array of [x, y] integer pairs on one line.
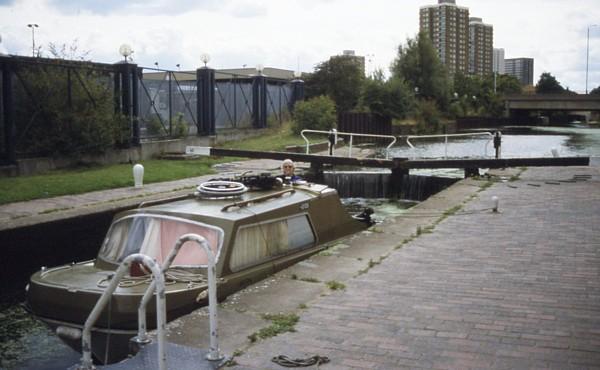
{"points": [[284, 360]]}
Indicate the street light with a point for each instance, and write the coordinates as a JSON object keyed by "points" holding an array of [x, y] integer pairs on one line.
{"points": [[587, 57], [125, 50], [205, 58], [33, 26]]}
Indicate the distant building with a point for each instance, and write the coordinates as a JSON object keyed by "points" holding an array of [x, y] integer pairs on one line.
{"points": [[521, 68], [350, 54], [481, 47], [448, 27], [498, 65]]}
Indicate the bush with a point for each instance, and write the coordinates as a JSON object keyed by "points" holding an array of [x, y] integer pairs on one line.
{"points": [[53, 119], [180, 126], [314, 114]]}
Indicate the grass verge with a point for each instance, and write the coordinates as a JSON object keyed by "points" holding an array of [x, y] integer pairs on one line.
{"points": [[89, 178], [92, 178]]}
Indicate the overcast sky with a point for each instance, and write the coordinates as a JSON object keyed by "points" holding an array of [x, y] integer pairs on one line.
{"points": [[297, 33]]}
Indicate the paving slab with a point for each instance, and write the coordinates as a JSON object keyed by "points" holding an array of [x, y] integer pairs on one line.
{"points": [[518, 288]]}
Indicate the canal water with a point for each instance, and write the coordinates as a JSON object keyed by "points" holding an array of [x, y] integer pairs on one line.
{"points": [[517, 142], [27, 344]]}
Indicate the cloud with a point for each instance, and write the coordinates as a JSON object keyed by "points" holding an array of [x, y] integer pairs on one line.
{"points": [[236, 8]]}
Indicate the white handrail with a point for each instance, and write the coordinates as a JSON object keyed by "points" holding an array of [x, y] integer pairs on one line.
{"points": [[351, 134], [445, 136], [142, 337], [86, 341]]}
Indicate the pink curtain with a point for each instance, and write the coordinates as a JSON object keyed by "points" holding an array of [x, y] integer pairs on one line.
{"points": [[190, 253]]}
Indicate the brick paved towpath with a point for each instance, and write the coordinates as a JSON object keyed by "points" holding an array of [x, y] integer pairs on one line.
{"points": [[510, 290]]}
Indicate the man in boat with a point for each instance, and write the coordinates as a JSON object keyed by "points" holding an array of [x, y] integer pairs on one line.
{"points": [[288, 168]]}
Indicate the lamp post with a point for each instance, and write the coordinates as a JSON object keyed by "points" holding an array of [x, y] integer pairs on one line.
{"points": [[125, 50], [205, 58], [587, 57], [33, 26]]}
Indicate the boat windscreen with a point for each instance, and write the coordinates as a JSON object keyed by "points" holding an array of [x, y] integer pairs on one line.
{"points": [[156, 236]]}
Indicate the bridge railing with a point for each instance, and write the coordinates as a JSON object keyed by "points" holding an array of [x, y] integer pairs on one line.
{"points": [[446, 136], [351, 135]]}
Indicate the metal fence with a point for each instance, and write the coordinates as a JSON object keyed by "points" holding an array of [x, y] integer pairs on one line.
{"points": [[167, 103], [47, 104], [51, 106]]}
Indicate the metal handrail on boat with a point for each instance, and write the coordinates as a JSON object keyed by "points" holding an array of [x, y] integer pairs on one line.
{"points": [[351, 134], [86, 341], [164, 200], [257, 199], [445, 136], [142, 337]]}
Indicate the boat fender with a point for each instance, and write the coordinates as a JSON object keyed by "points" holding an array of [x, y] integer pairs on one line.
{"points": [[68, 333], [202, 295]]}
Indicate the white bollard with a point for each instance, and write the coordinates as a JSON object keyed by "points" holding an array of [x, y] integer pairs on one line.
{"points": [[555, 152], [496, 202], [138, 175]]}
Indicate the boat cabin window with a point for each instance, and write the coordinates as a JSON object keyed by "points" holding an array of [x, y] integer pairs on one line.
{"points": [[155, 237], [259, 242]]}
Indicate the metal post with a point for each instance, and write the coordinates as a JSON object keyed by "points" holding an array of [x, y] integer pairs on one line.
{"points": [[136, 75], [86, 341], [297, 93], [331, 140], [205, 92], [259, 101], [169, 76], [8, 112], [350, 147], [69, 90], [234, 103], [587, 57], [498, 143], [142, 337]]}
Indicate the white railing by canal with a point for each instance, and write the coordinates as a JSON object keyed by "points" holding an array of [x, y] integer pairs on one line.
{"points": [[333, 136], [446, 136]]}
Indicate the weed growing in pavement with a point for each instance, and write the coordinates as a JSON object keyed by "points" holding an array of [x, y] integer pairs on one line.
{"points": [[311, 280], [280, 323], [335, 285]]}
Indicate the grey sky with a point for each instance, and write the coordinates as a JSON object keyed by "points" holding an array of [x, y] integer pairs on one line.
{"points": [[292, 33]]}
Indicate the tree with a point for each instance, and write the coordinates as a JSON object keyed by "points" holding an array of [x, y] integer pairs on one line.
{"points": [[548, 84], [475, 95], [418, 64], [595, 91], [340, 78], [391, 98]]}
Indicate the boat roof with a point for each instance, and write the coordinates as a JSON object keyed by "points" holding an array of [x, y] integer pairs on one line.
{"points": [[249, 205]]}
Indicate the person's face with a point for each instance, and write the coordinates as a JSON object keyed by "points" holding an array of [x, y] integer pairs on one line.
{"points": [[288, 169]]}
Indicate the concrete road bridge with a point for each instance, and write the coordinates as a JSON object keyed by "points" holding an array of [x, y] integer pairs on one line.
{"points": [[553, 102]]}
